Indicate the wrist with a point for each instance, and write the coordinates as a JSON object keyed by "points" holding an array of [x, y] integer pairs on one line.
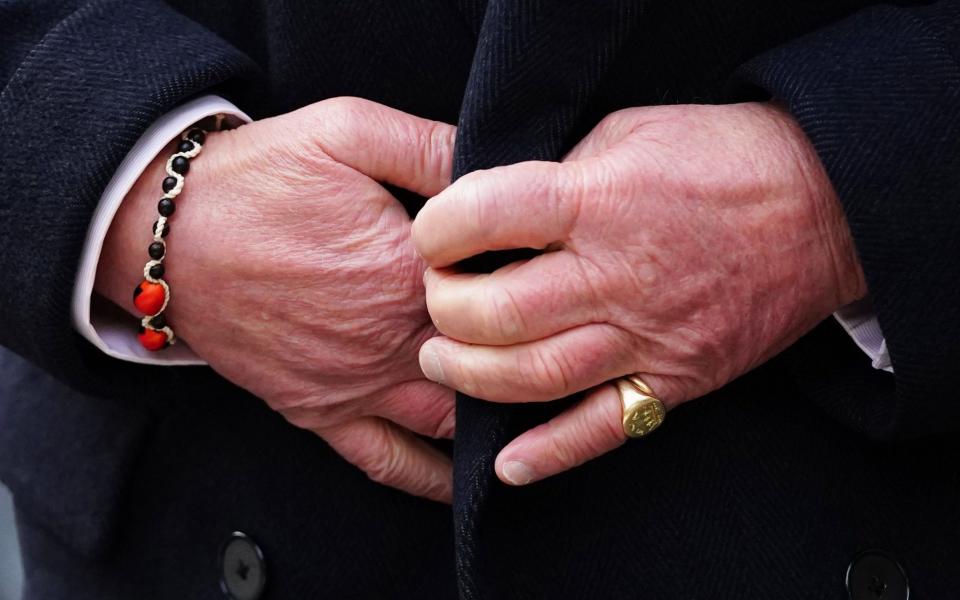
{"points": [[121, 266], [844, 281], [852, 284]]}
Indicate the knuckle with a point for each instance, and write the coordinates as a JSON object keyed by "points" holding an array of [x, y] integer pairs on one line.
{"points": [[310, 417], [613, 343], [695, 344], [609, 425], [502, 315], [435, 143], [562, 451], [335, 120], [385, 466], [588, 443], [300, 418], [483, 191], [340, 109], [381, 471], [481, 204], [548, 372], [441, 314], [588, 439], [608, 124], [466, 379], [619, 122], [571, 192]]}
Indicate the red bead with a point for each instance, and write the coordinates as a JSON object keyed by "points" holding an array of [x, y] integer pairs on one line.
{"points": [[149, 297], [153, 340]]}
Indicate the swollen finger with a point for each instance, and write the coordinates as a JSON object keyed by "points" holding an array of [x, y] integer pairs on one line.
{"points": [[554, 367], [390, 455], [584, 432], [421, 406], [518, 303], [526, 205]]}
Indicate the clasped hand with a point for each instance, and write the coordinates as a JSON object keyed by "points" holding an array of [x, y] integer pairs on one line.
{"points": [[688, 244]]}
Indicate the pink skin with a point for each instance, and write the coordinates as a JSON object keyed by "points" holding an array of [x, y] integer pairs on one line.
{"points": [[293, 274], [689, 244]]}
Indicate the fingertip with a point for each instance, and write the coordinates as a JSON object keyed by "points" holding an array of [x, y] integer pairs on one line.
{"points": [[574, 437], [439, 274], [516, 473], [416, 235], [512, 469], [443, 300], [430, 363], [430, 236], [429, 276]]}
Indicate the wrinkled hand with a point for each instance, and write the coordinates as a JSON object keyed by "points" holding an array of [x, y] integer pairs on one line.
{"points": [[293, 274], [686, 243]]}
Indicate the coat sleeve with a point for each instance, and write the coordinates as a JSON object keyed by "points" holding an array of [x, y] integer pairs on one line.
{"points": [[879, 96], [82, 80]]}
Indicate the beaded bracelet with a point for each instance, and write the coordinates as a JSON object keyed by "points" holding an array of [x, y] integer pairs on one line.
{"points": [[153, 294]]}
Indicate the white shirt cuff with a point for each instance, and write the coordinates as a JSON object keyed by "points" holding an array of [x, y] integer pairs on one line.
{"points": [[860, 322], [107, 327]]}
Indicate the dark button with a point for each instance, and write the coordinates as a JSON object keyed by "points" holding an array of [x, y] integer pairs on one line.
{"points": [[875, 575], [243, 573]]}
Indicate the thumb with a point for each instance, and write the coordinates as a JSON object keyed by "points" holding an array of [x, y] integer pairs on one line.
{"points": [[390, 455], [386, 144], [608, 133]]}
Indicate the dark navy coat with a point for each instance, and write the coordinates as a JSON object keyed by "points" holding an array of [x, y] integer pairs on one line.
{"points": [[767, 488]]}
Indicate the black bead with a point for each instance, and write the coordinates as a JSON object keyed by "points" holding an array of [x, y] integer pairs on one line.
{"points": [[197, 135], [166, 207], [158, 322], [156, 271], [185, 146], [156, 250], [169, 183], [181, 165], [140, 329], [166, 229]]}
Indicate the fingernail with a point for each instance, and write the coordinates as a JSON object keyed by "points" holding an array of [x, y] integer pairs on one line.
{"points": [[430, 365], [517, 473]]}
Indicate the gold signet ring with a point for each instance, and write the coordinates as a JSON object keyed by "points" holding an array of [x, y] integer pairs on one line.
{"points": [[642, 411]]}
